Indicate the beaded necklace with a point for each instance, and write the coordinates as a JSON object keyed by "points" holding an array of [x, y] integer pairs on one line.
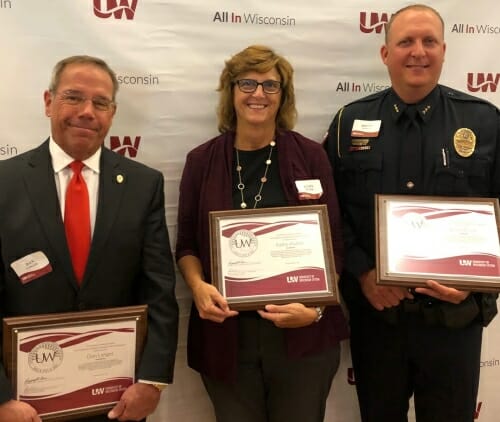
{"points": [[263, 179]]}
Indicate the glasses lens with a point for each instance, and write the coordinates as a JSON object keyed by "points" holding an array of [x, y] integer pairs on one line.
{"points": [[247, 85], [102, 104], [271, 87], [77, 99], [72, 98]]}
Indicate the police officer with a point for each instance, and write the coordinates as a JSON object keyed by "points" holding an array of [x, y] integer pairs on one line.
{"points": [[422, 138]]}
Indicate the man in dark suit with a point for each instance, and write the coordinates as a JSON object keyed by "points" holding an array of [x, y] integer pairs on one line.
{"points": [[129, 258]]}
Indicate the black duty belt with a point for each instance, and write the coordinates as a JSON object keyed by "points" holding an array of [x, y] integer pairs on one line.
{"points": [[433, 311]]}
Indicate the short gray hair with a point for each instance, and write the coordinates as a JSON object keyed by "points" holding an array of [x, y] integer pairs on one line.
{"points": [[83, 59]]}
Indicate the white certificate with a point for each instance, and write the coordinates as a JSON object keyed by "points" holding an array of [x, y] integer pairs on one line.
{"points": [[451, 240], [273, 255], [74, 368]]}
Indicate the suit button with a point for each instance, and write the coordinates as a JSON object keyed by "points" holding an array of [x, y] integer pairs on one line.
{"points": [[81, 306]]}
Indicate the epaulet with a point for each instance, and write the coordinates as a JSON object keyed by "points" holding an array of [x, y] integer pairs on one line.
{"points": [[369, 98], [456, 95]]}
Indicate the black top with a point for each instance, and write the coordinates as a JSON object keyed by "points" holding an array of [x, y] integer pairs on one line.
{"points": [[253, 165]]}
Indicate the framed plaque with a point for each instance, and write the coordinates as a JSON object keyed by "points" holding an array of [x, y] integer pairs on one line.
{"points": [[273, 255], [454, 241], [73, 365]]}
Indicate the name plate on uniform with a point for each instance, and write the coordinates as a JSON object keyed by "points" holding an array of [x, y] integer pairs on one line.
{"points": [[273, 256], [454, 241], [73, 365]]}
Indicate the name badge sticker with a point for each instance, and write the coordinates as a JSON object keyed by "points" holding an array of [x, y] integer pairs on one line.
{"points": [[31, 267], [309, 189], [365, 128]]}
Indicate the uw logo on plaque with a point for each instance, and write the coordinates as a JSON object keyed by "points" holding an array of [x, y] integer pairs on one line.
{"points": [[414, 220], [45, 357], [464, 142], [243, 243]]}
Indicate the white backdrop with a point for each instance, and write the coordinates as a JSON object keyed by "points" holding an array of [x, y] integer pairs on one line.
{"points": [[169, 54]]}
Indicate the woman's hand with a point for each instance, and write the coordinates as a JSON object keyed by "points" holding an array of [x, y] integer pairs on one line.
{"points": [[210, 303], [291, 315]]}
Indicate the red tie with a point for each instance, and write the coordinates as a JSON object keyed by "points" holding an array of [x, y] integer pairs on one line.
{"points": [[77, 220]]}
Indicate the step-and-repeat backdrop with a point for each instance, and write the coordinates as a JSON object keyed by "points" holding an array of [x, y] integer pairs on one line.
{"points": [[168, 55]]}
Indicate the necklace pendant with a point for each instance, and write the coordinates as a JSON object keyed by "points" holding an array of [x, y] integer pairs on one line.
{"points": [[243, 205]]}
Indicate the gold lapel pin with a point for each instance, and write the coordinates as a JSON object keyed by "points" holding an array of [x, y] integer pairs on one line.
{"points": [[119, 178]]}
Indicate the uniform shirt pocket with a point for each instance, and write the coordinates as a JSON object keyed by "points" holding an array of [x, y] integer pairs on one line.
{"points": [[464, 177]]}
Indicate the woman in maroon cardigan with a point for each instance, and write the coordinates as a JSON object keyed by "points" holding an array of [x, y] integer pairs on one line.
{"points": [[274, 364]]}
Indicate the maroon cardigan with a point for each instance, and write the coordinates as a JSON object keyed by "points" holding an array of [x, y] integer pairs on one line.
{"points": [[207, 185]]}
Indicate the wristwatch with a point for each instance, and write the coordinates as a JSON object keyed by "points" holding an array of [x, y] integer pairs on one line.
{"points": [[319, 310], [159, 386]]}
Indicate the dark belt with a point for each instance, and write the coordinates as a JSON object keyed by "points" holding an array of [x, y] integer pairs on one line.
{"points": [[428, 307], [433, 311], [419, 304]]}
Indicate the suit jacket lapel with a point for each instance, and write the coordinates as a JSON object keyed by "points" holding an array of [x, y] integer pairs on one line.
{"points": [[41, 188], [112, 181]]}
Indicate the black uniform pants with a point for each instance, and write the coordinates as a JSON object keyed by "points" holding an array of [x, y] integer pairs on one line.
{"points": [[270, 387], [439, 366]]}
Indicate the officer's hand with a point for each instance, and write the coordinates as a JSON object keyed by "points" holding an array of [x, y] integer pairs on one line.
{"points": [[381, 297], [441, 292], [292, 315], [18, 411]]}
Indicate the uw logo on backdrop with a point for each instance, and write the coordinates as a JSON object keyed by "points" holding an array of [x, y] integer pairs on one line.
{"points": [[125, 147], [117, 8], [375, 22], [483, 82]]}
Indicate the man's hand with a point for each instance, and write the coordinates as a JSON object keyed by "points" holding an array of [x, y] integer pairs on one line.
{"points": [[292, 315], [138, 401], [18, 411], [210, 303], [381, 297], [441, 292]]}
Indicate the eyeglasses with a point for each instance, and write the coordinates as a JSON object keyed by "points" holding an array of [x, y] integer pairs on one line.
{"points": [[250, 85], [75, 98]]}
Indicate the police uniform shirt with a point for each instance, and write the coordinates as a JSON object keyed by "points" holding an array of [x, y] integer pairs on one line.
{"points": [[458, 155]]}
